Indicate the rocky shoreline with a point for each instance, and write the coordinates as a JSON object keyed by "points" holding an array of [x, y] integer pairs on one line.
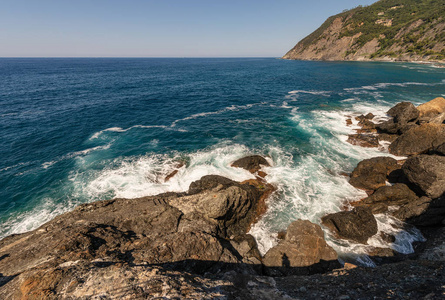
{"points": [[195, 244]]}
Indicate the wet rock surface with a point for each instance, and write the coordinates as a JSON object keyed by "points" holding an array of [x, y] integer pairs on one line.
{"points": [[251, 163]]}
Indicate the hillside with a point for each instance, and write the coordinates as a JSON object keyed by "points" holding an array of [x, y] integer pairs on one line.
{"points": [[388, 30]]}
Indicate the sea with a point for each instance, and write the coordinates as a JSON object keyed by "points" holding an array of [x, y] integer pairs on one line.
{"points": [[77, 130]]}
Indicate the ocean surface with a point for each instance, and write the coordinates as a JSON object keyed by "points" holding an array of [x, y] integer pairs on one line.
{"points": [[81, 130]]}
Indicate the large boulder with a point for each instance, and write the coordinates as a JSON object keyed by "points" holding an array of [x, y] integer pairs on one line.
{"points": [[432, 111], [418, 140], [404, 112], [427, 174], [251, 163], [385, 196], [303, 251], [357, 225], [370, 174]]}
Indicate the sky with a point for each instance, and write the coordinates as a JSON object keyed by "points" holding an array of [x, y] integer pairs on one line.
{"points": [[160, 28]]}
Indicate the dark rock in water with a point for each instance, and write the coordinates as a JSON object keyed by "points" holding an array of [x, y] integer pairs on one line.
{"points": [[427, 174], [356, 225], [251, 163], [419, 140], [398, 194], [370, 174], [389, 238], [303, 251], [404, 112], [363, 140]]}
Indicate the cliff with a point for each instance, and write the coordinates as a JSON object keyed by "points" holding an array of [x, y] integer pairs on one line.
{"points": [[388, 30]]}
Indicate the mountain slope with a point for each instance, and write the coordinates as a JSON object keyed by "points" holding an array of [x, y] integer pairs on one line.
{"points": [[405, 30]]}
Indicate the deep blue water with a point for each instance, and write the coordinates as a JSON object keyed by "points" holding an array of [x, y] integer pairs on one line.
{"points": [[79, 130]]}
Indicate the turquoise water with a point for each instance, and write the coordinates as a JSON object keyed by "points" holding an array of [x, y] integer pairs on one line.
{"points": [[80, 130]]}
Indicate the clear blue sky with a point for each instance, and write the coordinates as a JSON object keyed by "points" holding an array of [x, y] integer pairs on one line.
{"points": [[158, 28]]}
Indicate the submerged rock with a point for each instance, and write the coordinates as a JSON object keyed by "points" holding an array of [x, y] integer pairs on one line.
{"points": [[357, 225], [251, 163], [303, 251]]}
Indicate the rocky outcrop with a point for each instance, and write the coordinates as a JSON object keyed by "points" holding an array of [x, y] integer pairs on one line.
{"points": [[357, 225], [370, 174], [303, 251], [418, 140]]}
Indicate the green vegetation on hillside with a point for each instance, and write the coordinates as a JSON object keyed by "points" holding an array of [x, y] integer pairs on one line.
{"points": [[403, 25]]}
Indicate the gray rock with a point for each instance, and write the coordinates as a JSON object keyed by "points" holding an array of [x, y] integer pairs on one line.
{"points": [[427, 174]]}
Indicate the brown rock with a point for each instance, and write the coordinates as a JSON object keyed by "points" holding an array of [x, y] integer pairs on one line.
{"points": [[304, 246], [370, 174], [418, 140], [363, 140], [432, 108]]}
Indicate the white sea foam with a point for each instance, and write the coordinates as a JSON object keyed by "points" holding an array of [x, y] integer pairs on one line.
{"points": [[323, 93], [173, 125], [119, 129], [313, 186], [145, 175], [48, 164]]}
